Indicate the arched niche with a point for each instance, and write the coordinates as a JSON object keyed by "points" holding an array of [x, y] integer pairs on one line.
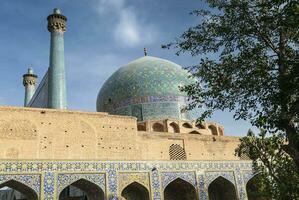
{"points": [[83, 190], [187, 125], [194, 132], [213, 130], [220, 130], [222, 189], [180, 189], [135, 191], [141, 127], [253, 189], [200, 126], [174, 128], [19, 190], [158, 127]]}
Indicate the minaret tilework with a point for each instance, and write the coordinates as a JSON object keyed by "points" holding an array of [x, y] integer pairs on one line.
{"points": [[29, 81], [57, 85]]}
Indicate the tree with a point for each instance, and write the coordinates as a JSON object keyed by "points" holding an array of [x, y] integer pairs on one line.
{"points": [[277, 177], [256, 70]]}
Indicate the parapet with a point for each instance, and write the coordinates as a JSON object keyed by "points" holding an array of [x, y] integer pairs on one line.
{"points": [[181, 126]]}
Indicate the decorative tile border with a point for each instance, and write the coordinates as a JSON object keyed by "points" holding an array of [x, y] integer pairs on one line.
{"points": [[59, 174], [126, 178], [202, 189], [112, 183], [211, 176], [145, 99], [89, 166], [49, 186], [240, 187], [168, 177], [247, 175], [156, 184]]}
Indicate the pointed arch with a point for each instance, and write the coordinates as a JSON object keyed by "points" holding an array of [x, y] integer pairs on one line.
{"points": [[200, 126], [194, 132], [141, 127], [187, 125], [174, 128], [213, 129], [222, 189], [212, 176], [253, 186], [220, 130], [180, 189], [135, 191], [158, 127], [25, 190], [84, 189]]}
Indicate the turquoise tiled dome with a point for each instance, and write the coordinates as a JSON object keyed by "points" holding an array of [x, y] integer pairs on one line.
{"points": [[147, 88]]}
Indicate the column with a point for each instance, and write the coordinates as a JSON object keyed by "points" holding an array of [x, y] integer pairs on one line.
{"points": [[29, 82], [56, 78]]}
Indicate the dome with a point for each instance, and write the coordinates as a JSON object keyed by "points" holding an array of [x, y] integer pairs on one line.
{"points": [[147, 88]]}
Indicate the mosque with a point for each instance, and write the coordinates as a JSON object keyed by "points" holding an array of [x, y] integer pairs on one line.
{"points": [[139, 145]]}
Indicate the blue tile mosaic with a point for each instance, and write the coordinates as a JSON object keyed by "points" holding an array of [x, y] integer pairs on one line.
{"points": [[32, 180], [49, 186], [58, 174], [168, 177], [64, 180], [212, 175], [149, 82]]}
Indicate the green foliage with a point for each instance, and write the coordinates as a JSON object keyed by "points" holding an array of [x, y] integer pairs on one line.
{"points": [[258, 189], [278, 176], [254, 72]]}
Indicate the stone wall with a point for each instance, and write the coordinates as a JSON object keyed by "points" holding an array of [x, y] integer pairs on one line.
{"points": [[31, 133]]}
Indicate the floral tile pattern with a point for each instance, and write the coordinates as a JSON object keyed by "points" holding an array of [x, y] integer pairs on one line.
{"points": [[56, 175], [64, 180], [168, 177]]}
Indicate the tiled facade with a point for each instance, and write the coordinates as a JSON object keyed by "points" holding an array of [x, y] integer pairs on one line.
{"points": [[49, 178]]}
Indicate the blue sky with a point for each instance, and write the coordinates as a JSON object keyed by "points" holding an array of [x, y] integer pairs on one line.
{"points": [[101, 36]]}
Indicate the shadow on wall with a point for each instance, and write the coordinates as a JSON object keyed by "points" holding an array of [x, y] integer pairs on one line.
{"points": [[135, 191]]}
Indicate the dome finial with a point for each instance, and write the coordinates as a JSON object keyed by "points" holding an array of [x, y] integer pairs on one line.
{"points": [[56, 11], [145, 51], [30, 70]]}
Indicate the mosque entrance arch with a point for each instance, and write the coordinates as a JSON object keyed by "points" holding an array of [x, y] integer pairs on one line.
{"points": [[180, 189], [12, 190], [222, 189], [135, 191], [82, 190]]}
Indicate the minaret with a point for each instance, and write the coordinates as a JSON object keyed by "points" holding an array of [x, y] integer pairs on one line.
{"points": [[29, 81], [56, 72]]}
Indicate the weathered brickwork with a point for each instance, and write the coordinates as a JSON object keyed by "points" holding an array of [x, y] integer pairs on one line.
{"points": [[28, 133]]}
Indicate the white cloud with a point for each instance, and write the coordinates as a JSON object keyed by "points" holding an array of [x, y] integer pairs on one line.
{"points": [[108, 5], [129, 28]]}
